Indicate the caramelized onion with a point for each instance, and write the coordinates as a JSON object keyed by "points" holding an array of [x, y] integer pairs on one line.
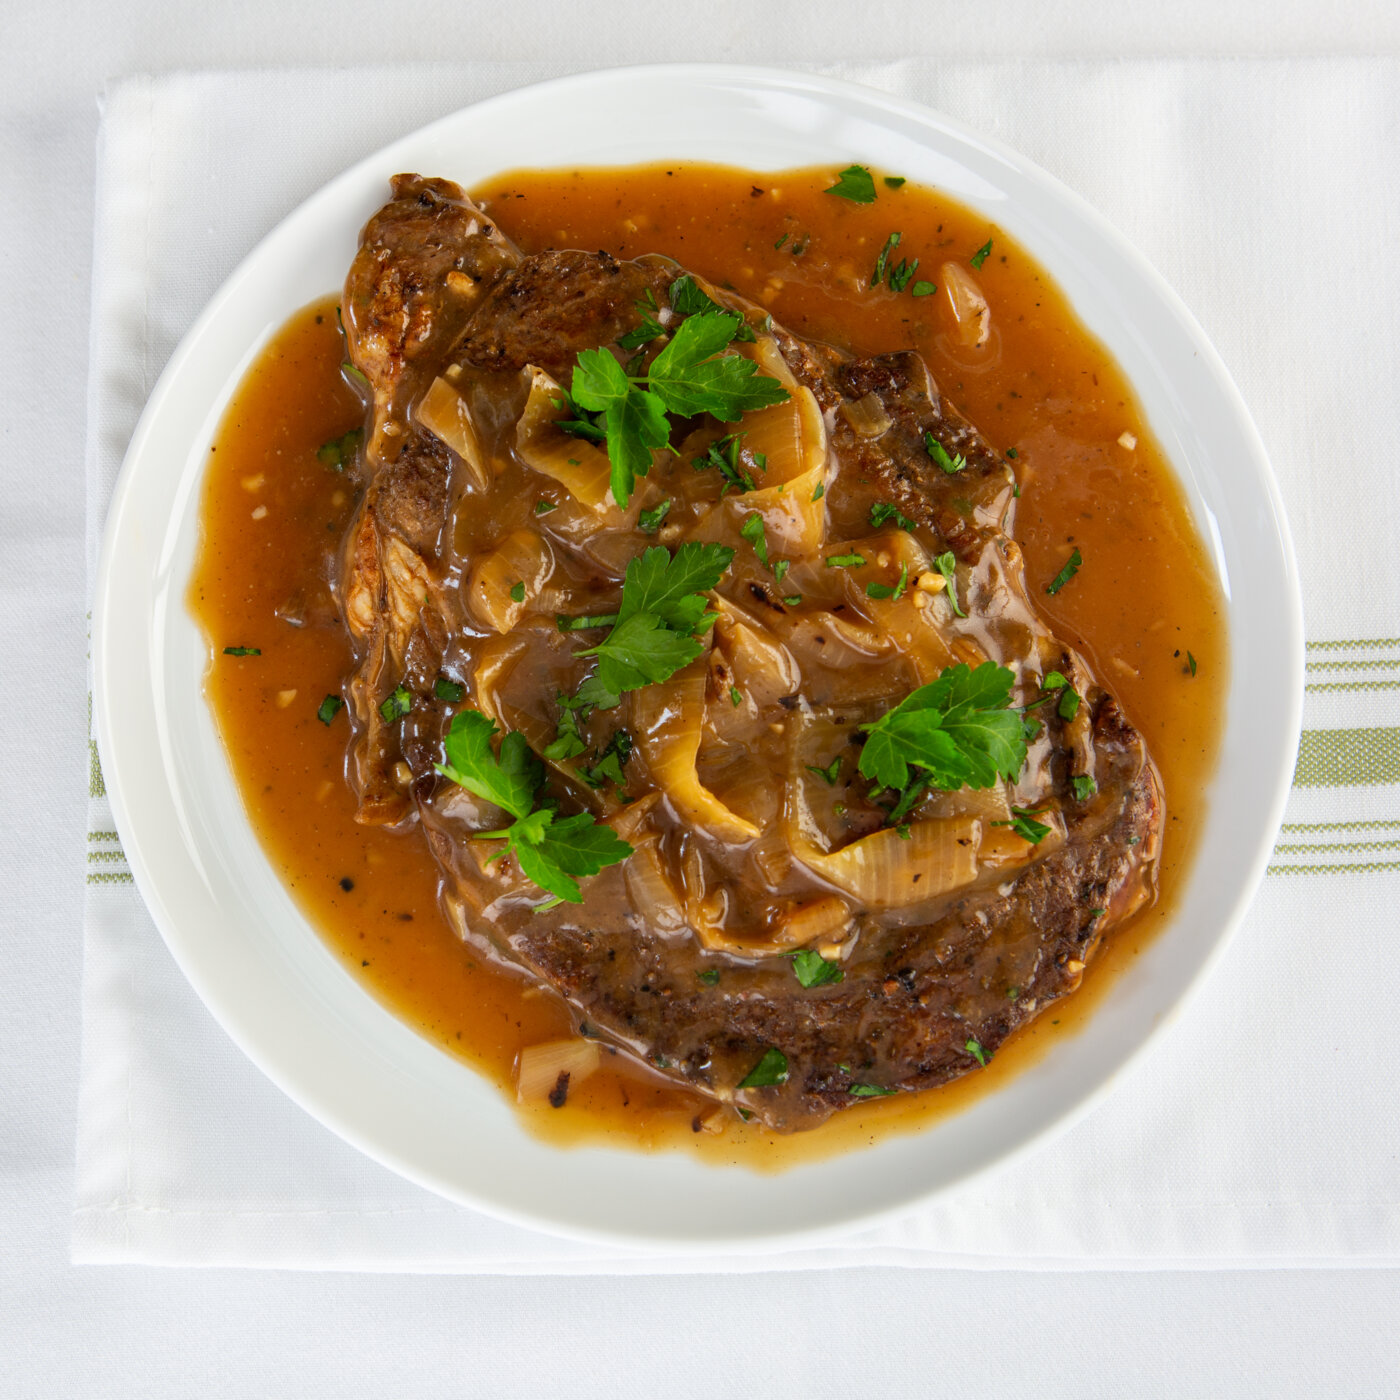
{"points": [[971, 313], [668, 719], [650, 889], [523, 557], [867, 416], [444, 413], [580, 466], [554, 1067]]}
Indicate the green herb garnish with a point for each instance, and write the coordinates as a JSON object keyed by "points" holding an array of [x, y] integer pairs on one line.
{"points": [[724, 457], [974, 1048], [709, 976], [939, 453], [883, 511], [396, 704], [1191, 662], [649, 521], [813, 970], [551, 851], [543, 507], [448, 690], [330, 707], [1084, 786], [854, 183], [1069, 704], [957, 729], [517, 592], [819, 492], [752, 530], [885, 590], [893, 182], [946, 565], [980, 256], [831, 772], [736, 696], [870, 1091], [338, 451], [771, 1069], [1025, 826], [924, 289], [878, 276], [568, 736], [849, 560], [242, 651], [1068, 572]]}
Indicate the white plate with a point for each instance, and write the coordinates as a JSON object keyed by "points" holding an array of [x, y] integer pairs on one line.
{"points": [[265, 974]]}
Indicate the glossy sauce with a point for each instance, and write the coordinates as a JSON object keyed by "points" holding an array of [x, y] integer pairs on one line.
{"points": [[273, 516]]}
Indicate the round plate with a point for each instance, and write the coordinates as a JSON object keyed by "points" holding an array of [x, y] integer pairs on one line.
{"points": [[266, 975]]}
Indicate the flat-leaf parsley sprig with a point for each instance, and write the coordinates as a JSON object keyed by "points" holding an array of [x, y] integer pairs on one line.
{"points": [[690, 376], [552, 851], [956, 731]]}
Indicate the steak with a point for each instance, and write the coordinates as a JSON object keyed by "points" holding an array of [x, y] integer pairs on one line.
{"points": [[929, 990]]}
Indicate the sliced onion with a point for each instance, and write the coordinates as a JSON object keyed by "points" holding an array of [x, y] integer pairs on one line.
{"points": [[580, 466], [965, 300], [444, 413], [522, 557], [867, 416], [650, 890], [540, 1068], [667, 720], [821, 918]]}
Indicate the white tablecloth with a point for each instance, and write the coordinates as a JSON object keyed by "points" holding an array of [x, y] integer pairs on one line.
{"points": [[124, 1331]]}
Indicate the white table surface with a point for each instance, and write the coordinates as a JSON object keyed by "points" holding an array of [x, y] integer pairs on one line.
{"points": [[119, 1332]]}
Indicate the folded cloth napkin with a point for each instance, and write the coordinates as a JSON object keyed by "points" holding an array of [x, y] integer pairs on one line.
{"points": [[1261, 1129]]}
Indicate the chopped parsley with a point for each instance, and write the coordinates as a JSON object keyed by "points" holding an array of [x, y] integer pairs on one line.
{"points": [[736, 696], [819, 492], [781, 241], [870, 1091], [354, 371], [878, 276], [1084, 786], [854, 183], [924, 289], [649, 521], [568, 736], [338, 451], [543, 507], [884, 590], [1025, 826], [946, 565], [883, 511], [448, 690], [893, 182], [793, 599], [752, 530], [813, 970], [551, 851], [974, 1048], [1069, 703], [709, 976], [981, 255], [584, 624], [1068, 572], [517, 592], [939, 453], [830, 773], [1191, 663], [724, 457], [610, 763], [329, 708], [771, 1069], [849, 560], [958, 730], [396, 704], [242, 651]]}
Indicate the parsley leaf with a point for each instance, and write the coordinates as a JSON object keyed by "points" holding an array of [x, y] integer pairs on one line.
{"points": [[870, 1091], [611, 762], [924, 289], [885, 590], [338, 451], [543, 506], [554, 851], [849, 560], [330, 707], [813, 970], [831, 772], [882, 511], [688, 298], [1025, 826], [878, 276], [568, 737], [1068, 572], [448, 690], [641, 650], [819, 492], [752, 530], [898, 277], [649, 521], [510, 780], [946, 565], [980, 256], [939, 453], [771, 1069], [957, 729], [736, 696], [242, 651], [517, 591], [669, 585], [1191, 663], [854, 183], [396, 704], [690, 380], [709, 976], [974, 1048], [724, 457], [1085, 786], [1069, 704], [893, 182]]}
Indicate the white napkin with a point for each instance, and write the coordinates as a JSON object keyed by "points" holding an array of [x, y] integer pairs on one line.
{"points": [[1262, 1128]]}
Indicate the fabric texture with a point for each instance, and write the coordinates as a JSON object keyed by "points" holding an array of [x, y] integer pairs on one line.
{"points": [[1223, 1151]]}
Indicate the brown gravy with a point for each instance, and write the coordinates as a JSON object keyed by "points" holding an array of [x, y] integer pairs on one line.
{"points": [[272, 513]]}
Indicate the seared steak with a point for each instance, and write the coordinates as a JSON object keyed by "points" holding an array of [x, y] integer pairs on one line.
{"points": [[931, 986]]}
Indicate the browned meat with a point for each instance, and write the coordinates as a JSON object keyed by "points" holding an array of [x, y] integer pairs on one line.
{"points": [[926, 995]]}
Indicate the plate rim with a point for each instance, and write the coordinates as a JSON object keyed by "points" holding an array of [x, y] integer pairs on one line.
{"points": [[760, 77]]}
